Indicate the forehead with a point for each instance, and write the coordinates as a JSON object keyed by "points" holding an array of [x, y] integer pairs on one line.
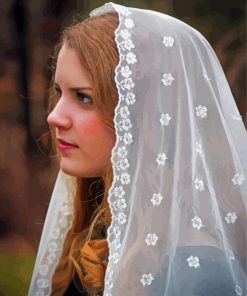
{"points": [[69, 69]]}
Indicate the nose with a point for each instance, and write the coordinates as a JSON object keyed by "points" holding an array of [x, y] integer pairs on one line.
{"points": [[59, 117]]}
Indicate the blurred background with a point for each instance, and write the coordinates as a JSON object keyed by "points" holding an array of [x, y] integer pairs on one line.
{"points": [[29, 31]]}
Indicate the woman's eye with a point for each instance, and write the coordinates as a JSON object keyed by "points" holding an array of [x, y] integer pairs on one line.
{"points": [[85, 99]]}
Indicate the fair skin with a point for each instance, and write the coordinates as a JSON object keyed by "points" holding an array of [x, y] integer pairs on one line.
{"points": [[77, 121]]}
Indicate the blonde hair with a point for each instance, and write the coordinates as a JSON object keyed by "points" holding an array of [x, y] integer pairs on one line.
{"points": [[94, 43]]}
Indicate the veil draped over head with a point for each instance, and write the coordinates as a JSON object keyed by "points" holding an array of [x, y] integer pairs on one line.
{"points": [[179, 193]]}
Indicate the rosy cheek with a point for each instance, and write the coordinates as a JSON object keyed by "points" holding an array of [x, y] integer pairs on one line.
{"points": [[91, 126]]}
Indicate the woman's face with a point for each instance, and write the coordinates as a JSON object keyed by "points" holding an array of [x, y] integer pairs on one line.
{"points": [[77, 121]]}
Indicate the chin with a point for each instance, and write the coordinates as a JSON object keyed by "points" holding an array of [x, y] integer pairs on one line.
{"points": [[68, 172], [79, 172]]}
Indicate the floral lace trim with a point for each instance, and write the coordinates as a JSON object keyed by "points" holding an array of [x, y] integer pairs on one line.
{"points": [[54, 248], [124, 138]]}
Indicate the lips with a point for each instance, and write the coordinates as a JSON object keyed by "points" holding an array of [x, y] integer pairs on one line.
{"points": [[65, 143]]}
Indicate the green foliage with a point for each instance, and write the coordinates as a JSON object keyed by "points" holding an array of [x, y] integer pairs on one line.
{"points": [[15, 273]]}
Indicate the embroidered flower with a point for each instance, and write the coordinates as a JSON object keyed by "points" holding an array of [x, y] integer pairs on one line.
{"points": [[127, 138], [237, 117], [110, 273], [161, 158], [198, 147], [125, 71], [116, 231], [129, 23], [124, 112], [123, 164], [115, 258], [130, 98], [121, 203], [52, 247], [168, 41], [43, 269], [151, 239], [197, 222], [125, 125], [238, 290], [122, 151], [42, 283], [125, 178], [119, 192], [121, 218], [128, 44], [231, 217], [125, 34], [167, 79], [201, 111], [63, 221], [238, 179], [193, 261], [128, 83], [66, 210], [199, 185], [164, 119], [131, 58], [147, 279], [55, 233], [156, 199], [109, 284], [51, 258], [116, 243]]}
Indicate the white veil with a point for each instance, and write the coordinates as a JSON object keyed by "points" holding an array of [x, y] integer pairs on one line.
{"points": [[179, 193]]}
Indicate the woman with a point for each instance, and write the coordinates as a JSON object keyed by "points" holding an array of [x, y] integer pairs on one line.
{"points": [[153, 151]]}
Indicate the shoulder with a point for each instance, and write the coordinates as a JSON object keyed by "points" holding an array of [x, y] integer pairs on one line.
{"points": [[205, 270]]}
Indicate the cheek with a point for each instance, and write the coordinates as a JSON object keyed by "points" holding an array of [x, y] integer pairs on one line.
{"points": [[91, 126]]}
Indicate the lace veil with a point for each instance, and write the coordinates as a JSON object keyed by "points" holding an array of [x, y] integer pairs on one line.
{"points": [[179, 194]]}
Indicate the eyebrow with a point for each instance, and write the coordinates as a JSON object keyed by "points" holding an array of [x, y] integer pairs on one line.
{"points": [[76, 88]]}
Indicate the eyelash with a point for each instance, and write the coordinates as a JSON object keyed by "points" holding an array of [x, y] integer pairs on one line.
{"points": [[79, 95], [82, 95]]}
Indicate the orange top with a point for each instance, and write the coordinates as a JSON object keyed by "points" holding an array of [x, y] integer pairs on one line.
{"points": [[94, 259]]}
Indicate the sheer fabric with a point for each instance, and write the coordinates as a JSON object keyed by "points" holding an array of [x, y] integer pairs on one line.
{"points": [[179, 194]]}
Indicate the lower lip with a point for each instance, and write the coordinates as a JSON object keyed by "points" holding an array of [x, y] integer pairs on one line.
{"points": [[64, 147]]}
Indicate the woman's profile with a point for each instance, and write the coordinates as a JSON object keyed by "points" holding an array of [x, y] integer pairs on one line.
{"points": [[151, 197]]}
